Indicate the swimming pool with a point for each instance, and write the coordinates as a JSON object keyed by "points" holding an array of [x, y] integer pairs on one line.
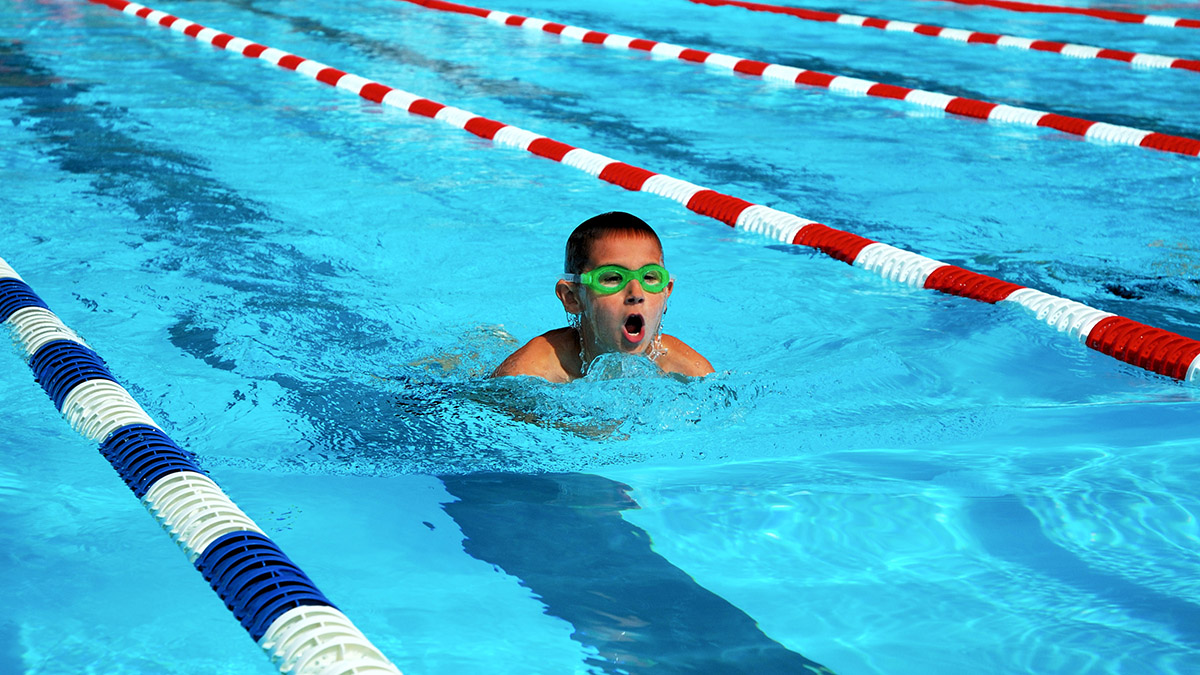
{"points": [[303, 287]]}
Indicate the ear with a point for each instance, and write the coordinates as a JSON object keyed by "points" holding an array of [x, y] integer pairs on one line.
{"points": [[568, 296]]}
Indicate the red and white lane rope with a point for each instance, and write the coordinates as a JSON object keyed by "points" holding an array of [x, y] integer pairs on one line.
{"points": [[1144, 346], [955, 105], [1106, 14], [970, 37]]}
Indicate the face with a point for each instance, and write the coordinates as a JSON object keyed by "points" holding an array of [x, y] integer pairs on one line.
{"points": [[625, 321]]}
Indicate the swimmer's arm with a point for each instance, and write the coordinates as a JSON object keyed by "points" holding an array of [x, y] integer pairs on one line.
{"points": [[682, 359]]}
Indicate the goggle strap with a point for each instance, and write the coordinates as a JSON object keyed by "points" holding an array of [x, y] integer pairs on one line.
{"points": [[575, 278]]}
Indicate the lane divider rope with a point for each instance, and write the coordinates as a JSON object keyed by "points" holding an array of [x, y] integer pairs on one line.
{"points": [[1105, 14], [1077, 51], [956, 105], [1135, 343], [275, 601]]}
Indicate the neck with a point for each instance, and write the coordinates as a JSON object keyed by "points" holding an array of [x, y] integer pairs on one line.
{"points": [[587, 350]]}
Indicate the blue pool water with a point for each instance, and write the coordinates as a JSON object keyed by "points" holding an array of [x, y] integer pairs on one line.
{"points": [[304, 288]]}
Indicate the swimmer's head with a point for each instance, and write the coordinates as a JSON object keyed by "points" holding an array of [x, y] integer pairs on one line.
{"points": [[611, 224], [615, 284]]}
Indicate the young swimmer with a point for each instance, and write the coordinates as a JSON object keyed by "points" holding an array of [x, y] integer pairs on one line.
{"points": [[616, 290]]}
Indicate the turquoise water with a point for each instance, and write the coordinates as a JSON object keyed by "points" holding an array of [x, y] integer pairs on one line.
{"points": [[303, 288]]}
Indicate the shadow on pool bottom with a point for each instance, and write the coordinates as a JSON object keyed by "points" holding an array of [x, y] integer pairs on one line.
{"points": [[563, 536]]}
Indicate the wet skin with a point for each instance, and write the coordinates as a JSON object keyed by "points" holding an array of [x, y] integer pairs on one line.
{"points": [[609, 323], [624, 322]]}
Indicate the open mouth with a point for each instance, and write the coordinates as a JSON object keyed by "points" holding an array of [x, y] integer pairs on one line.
{"points": [[634, 327]]}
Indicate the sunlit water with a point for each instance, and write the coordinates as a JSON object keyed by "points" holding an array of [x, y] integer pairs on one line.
{"points": [[305, 289]]}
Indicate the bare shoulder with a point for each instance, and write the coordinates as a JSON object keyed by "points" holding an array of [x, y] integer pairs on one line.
{"points": [[551, 356], [682, 359]]}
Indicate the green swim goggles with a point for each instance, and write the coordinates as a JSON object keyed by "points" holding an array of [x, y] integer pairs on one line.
{"points": [[609, 279]]}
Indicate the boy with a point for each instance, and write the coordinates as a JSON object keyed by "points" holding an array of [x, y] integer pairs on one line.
{"points": [[616, 290]]}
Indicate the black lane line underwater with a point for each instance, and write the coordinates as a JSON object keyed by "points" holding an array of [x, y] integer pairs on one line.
{"points": [[563, 537]]}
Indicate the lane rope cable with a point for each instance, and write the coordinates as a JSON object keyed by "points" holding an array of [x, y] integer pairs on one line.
{"points": [[955, 105], [1105, 14], [1144, 346], [1072, 50], [300, 630]]}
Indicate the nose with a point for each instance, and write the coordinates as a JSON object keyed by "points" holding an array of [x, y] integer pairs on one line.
{"points": [[634, 295]]}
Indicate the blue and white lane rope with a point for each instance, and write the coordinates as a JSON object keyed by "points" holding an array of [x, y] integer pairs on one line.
{"points": [[290, 619]]}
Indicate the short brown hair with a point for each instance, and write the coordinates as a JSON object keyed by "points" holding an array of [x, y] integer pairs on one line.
{"points": [[579, 244]]}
